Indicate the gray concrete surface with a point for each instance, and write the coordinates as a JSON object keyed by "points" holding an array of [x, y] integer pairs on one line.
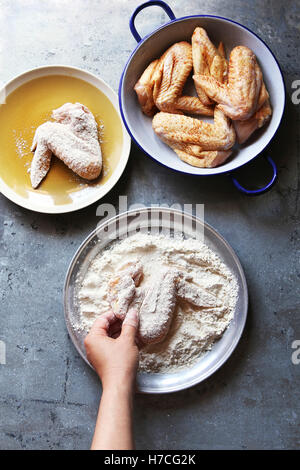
{"points": [[48, 396]]}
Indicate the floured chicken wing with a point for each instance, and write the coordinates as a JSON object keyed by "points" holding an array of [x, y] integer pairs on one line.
{"points": [[156, 302], [73, 138], [207, 60], [159, 302], [239, 96], [195, 295], [157, 309], [122, 289]]}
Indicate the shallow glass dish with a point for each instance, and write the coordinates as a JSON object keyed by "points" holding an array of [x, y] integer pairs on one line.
{"points": [[168, 221]]}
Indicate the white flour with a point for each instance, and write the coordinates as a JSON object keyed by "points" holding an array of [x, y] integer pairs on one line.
{"points": [[193, 330]]}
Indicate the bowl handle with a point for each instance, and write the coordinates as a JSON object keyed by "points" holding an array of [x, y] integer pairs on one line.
{"points": [[257, 192], [159, 3]]}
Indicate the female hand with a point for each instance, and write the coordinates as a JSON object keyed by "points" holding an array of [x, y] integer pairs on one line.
{"points": [[112, 350]]}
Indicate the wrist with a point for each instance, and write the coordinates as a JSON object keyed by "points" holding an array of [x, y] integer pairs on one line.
{"points": [[121, 379], [119, 387]]}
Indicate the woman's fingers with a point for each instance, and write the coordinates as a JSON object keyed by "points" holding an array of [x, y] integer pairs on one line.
{"points": [[130, 324], [115, 329], [116, 335], [102, 324], [108, 325]]}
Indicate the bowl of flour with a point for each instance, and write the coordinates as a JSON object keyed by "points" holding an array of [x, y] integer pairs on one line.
{"points": [[211, 307]]}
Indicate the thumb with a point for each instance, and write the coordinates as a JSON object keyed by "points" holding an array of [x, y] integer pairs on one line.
{"points": [[130, 324]]}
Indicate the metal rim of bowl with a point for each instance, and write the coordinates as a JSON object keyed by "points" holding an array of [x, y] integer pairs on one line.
{"points": [[225, 172], [10, 194], [237, 338]]}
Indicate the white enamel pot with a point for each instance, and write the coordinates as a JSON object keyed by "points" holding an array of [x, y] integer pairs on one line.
{"points": [[181, 29]]}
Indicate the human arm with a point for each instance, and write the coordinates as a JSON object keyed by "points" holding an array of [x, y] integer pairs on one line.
{"points": [[115, 361]]}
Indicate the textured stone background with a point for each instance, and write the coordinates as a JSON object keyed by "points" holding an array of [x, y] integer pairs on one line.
{"points": [[48, 396]]}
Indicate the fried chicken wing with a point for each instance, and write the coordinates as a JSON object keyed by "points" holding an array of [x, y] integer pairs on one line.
{"points": [[239, 96], [73, 138]]}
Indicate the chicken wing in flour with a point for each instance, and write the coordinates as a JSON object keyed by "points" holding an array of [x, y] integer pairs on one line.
{"points": [[122, 288]]}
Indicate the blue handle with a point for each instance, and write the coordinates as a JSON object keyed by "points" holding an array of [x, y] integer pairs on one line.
{"points": [[159, 3], [256, 192]]}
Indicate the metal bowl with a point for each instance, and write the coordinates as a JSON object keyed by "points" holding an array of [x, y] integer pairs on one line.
{"points": [[160, 220], [181, 29]]}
